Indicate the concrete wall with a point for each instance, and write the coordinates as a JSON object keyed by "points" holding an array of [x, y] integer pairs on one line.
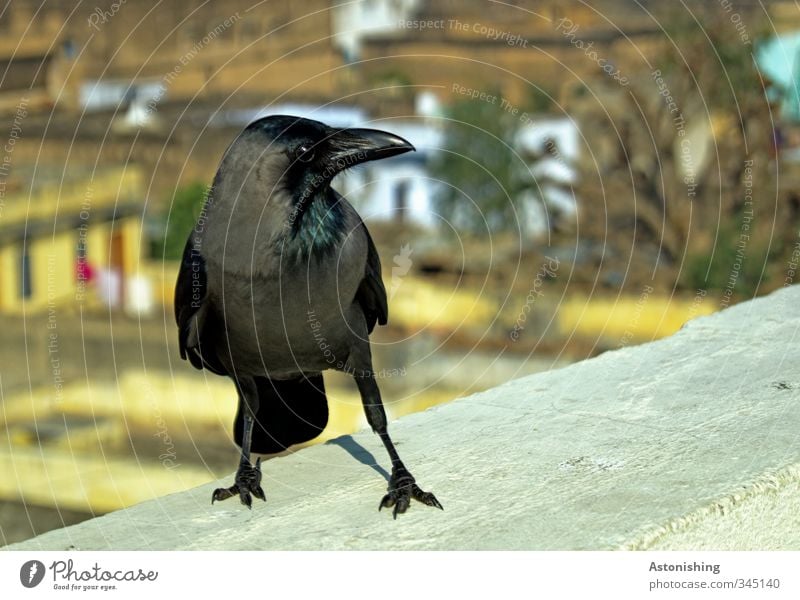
{"points": [[687, 442]]}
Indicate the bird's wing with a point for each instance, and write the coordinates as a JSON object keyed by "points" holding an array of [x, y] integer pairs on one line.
{"points": [[192, 310], [290, 411], [371, 294]]}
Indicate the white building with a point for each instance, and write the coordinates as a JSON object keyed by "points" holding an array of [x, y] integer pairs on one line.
{"points": [[397, 188], [353, 21], [401, 188], [551, 146]]}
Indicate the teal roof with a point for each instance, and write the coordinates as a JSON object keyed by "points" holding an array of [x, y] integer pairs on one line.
{"points": [[779, 59]]}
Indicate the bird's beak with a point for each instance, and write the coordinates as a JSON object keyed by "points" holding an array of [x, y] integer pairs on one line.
{"points": [[352, 147]]}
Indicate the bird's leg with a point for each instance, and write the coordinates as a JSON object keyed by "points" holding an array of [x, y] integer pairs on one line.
{"points": [[248, 476], [402, 486]]}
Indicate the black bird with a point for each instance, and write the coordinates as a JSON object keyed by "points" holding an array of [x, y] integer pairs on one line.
{"points": [[280, 281]]}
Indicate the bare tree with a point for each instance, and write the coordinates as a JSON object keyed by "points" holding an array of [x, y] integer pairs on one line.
{"points": [[678, 180]]}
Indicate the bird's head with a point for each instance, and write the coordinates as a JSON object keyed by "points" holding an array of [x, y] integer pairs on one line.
{"points": [[308, 154]]}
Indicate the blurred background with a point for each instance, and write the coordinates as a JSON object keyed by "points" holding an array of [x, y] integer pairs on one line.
{"points": [[589, 175]]}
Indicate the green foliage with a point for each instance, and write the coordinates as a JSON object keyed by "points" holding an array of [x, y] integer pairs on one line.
{"points": [[712, 51], [186, 205], [482, 175], [737, 264], [388, 77], [540, 100]]}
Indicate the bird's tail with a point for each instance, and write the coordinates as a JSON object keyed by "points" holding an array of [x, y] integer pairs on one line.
{"points": [[290, 412]]}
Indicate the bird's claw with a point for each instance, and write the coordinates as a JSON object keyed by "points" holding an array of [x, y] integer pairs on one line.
{"points": [[402, 488], [248, 480]]}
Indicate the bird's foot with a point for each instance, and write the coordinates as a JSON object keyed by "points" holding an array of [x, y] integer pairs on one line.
{"points": [[247, 481], [403, 487]]}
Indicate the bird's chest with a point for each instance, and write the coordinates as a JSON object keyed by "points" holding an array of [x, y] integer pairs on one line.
{"points": [[288, 314]]}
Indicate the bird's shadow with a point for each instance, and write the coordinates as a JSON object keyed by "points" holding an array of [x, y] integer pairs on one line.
{"points": [[361, 454]]}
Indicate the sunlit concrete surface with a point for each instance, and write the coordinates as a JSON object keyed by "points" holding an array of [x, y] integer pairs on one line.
{"points": [[693, 439]]}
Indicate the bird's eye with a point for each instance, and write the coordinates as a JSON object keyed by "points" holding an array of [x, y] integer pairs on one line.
{"points": [[304, 153]]}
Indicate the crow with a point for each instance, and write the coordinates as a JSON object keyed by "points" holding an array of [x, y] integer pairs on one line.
{"points": [[279, 281]]}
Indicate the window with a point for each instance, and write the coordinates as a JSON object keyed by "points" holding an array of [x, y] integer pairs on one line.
{"points": [[26, 289], [400, 201]]}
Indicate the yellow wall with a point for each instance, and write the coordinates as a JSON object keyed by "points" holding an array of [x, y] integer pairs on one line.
{"points": [[53, 265], [52, 268], [53, 258], [9, 277], [131, 229], [104, 189], [630, 319], [97, 238]]}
